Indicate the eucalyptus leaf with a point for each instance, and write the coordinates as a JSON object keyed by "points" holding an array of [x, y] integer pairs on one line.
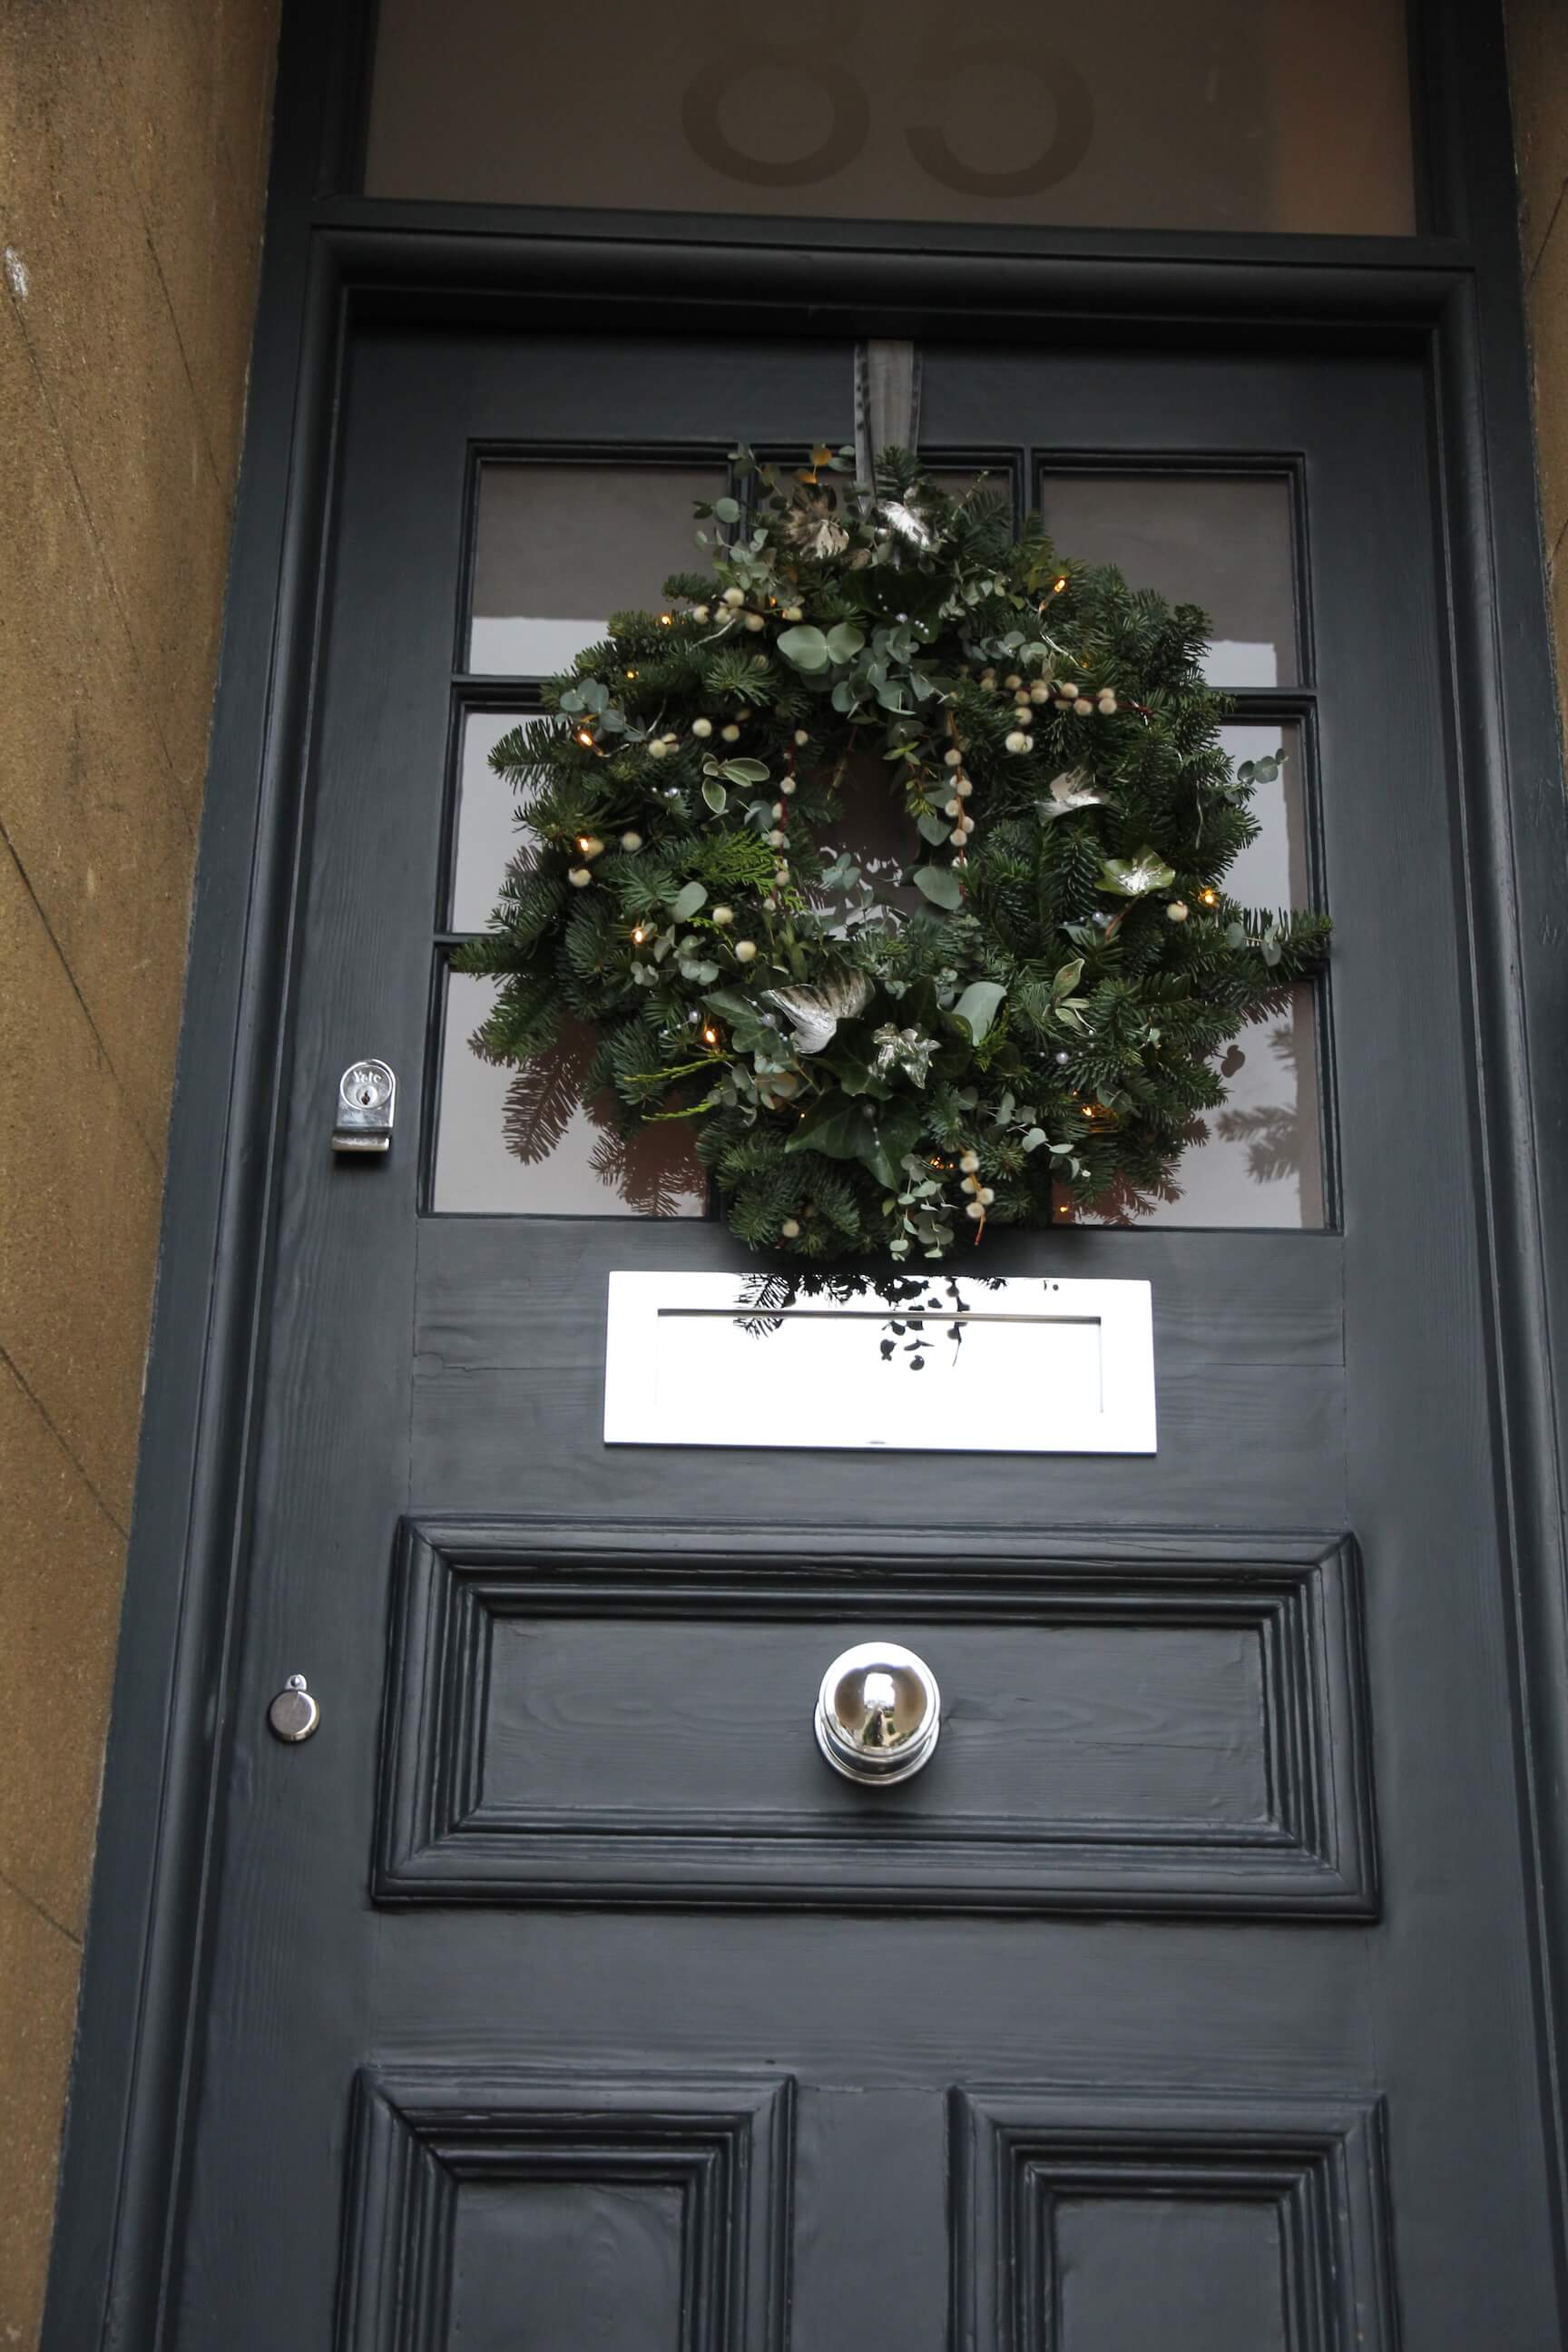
{"points": [[940, 884], [804, 646], [844, 641], [727, 510], [745, 771], [687, 901], [977, 1007], [934, 828]]}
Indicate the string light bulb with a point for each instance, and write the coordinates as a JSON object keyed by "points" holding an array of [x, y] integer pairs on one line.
{"points": [[709, 1036], [667, 620], [1208, 898], [1061, 583], [638, 935], [584, 738]]}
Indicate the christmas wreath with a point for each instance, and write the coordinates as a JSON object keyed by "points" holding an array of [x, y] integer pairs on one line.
{"points": [[1022, 1002]]}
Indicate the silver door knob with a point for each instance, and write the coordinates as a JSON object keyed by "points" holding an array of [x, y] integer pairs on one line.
{"points": [[877, 1714]]}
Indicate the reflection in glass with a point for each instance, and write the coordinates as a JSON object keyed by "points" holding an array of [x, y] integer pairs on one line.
{"points": [[1274, 870], [1221, 541], [1259, 1161], [524, 1143], [560, 547], [489, 836], [1241, 114]]}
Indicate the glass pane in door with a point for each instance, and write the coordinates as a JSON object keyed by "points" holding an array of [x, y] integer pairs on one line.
{"points": [[1240, 114], [525, 1142], [1258, 1162], [1221, 540], [558, 549]]}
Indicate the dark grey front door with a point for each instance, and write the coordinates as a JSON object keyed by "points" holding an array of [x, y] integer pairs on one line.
{"points": [[561, 1996]]}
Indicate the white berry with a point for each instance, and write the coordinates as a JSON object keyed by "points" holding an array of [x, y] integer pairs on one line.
{"points": [[753, 622], [778, 810], [793, 612], [975, 1211], [1014, 683], [1039, 691], [788, 785], [776, 839], [734, 597], [700, 612], [956, 836], [703, 727], [744, 951], [954, 757], [801, 737], [1177, 912], [963, 788], [790, 1229], [1083, 706], [631, 841], [969, 1162], [954, 807], [986, 1195], [579, 878], [1017, 740], [657, 750], [731, 733]]}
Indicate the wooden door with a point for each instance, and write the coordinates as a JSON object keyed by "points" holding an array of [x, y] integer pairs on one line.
{"points": [[561, 1996]]}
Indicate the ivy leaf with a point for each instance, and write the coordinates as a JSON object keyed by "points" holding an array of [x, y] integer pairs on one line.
{"points": [[939, 883], [804, 646], [687, 900], [715, 795], [977, 1006], [1134, 877], [844, 641]]}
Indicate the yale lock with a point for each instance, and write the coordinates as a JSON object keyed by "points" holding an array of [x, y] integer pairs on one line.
{"points": [[293, 1713], [367, 1099]]}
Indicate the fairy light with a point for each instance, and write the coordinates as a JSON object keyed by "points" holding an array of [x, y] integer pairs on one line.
{"points": [[1061, 583], [667, 620], [585, 842], [709, 1036], [1208, 898], [584, 738], [638, 935]]}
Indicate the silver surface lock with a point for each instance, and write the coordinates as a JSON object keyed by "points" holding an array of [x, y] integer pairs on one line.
{"points": [[293, 1713], [877, 1714], [367, 1102]]}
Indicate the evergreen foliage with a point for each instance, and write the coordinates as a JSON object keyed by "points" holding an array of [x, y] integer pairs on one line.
{"points": [[880, 1057]]}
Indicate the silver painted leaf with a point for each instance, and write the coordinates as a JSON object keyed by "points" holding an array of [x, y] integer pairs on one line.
{"points": [[815, 1014]]}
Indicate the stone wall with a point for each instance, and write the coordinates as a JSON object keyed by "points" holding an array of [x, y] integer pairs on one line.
{"points": [[1538, 63], [133, 162]]}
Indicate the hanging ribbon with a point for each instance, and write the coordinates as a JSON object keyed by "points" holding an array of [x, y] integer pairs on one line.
{"points": [[887, 402]]}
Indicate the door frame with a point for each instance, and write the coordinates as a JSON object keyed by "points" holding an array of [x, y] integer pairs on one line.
{"points": [[1453, 295]]}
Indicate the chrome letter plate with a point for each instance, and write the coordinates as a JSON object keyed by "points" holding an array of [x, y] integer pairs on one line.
{"points": [[953, 1364]]}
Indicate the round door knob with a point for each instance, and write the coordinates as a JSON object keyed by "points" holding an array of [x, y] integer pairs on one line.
{"points": [[877, 1714]]}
